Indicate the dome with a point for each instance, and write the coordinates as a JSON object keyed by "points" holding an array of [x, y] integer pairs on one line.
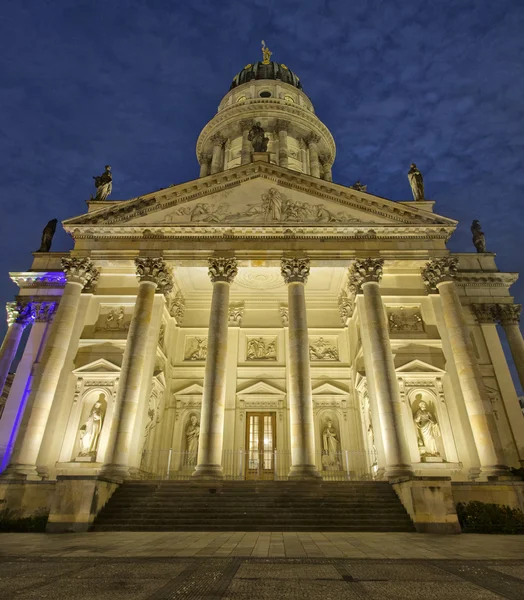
{"points": [[263, 70]]}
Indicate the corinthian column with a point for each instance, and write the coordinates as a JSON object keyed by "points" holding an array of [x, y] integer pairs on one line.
{"points": [[218, 153], [439, 274], [509, 317], [18, 316], [295, 272], [281, 128], [245, 127], [154, 276], [312, 141], [364, 277], [79, 272], [205, 164], [222, 271]]}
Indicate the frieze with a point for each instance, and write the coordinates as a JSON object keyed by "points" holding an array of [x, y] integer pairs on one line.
{"points": [[321, 349], [113, 318], [100, 382], [196, 348], [405, 320], [261, 348]]}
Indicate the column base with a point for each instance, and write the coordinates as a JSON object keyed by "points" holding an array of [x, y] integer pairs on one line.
{"points": [[497, 473], [115, 472], [208, 472], [21, 472], [397, 471], [303, 472]]}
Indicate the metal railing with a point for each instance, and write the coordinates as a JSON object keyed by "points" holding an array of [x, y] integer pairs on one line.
{"points": [[240, 465]]}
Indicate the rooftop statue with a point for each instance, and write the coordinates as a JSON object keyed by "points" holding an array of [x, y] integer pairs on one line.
{"points": [[257, 138], [479, 239], [416, 182], [360, 187], [47, 236], [103, 184]]}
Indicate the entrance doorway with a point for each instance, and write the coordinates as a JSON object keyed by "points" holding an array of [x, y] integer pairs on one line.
{"points": [[260, 444]]}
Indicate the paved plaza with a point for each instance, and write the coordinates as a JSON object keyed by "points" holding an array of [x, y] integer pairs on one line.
{"points": [[241, 566]]}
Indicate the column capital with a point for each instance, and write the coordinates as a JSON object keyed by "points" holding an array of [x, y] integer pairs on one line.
{"points": [[80, 270], [508, 314], [217, 139], [44, 311], [281, 125], [295, 269], [235, 315], [364, 270], [326, 159], [222, 269], [204, 158], [156, 271], [245, 125], [312, 138], [439, 270], [346, 306], [485, 313], [177, 307], [20, 313]]}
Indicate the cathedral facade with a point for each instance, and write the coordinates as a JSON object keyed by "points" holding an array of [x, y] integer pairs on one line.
{"points": [[260, 322]]}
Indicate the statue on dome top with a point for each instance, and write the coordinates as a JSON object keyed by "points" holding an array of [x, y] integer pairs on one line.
{"points": [[479, 239], [257, 138], [416, 182], [103, 184], [266, 53]]}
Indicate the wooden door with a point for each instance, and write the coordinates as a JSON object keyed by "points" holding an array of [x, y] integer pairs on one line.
{"points": [[260, 445]]}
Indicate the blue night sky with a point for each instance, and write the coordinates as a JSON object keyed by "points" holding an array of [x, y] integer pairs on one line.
{"points": [[131, 83]]}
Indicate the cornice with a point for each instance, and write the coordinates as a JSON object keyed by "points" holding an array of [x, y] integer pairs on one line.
{"points": [[486, 279], [38, 279], [195, 189]]}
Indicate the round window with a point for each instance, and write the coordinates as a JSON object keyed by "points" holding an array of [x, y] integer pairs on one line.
{"points": [[265, 94], [289, 99], [241, 99]]}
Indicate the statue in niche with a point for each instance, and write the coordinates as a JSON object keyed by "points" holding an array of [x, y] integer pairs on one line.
{"points": [[47, 236], [103, 184], [90, 430], [479, 239], [322, 350], [330, 446], [416, 181], [192, 436], [428, 429], [257, 138]]}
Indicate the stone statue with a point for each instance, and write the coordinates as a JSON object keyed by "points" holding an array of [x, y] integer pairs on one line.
{"points": [[416, 182], [47, 236], [479, 239], [90, 430], [427, 429], [330, 445], [103, 184], [257, 138], [192, 435], [360, 187]]}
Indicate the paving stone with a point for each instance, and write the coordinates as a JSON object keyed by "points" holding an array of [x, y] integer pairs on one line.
{"points": [[284, 571], [134, 570], [272, 589], [513, 570], [397, 571], [417, 590]]}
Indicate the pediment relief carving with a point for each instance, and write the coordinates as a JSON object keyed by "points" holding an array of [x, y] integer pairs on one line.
{"points": [[299, 200]]}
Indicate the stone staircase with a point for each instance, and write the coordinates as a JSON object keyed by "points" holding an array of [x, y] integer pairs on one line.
{"points": [[253, 506]]}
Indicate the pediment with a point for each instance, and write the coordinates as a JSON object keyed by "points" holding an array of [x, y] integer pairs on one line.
{"points": [[258, 195], [328, 389], [261, 388], [97, 367], [418, 366], [195, 389]]}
